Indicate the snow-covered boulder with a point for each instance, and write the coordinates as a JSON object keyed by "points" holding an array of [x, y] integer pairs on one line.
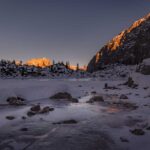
{"points": [[144, 67]]}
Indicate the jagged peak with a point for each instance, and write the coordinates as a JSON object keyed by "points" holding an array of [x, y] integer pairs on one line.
{"points": [[117, 40]]}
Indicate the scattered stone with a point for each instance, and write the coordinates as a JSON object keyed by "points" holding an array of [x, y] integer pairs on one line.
{"points": [[123, 96], [46, 109], [24, 129], [65, 96], [61, 95], [15, 101], [36, 108], [10, 117], [137, 132], [74, 100], [126, 105], [106, 86], [23, 117], [72, 121], [110, 87], [123, 139], [93, 92], [31, 113], [130, 83], [144, 67], [145, 88], [123, 75], [148, 128], [96, 99]]}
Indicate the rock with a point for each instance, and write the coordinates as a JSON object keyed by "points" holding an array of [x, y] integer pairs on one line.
{"points": [[123, 139], [110, 87], [46, 109], [137, 132], [74, 100], [65, 96], [93, 92], [145, 88], [123, 96], [31, 113], [23, 117], [106, 86], [61, 95], [96, 99], [10, 117], [24, 129], [125, 105], [148, 128], [144, 67], [15, 101], [71, 121], [130, 83], [36, 108]]}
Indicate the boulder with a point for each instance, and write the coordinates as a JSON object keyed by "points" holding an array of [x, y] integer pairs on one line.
{"points": [[61, 95], [36, 108], [10, 117], [15, 101], [24, 129], [74, 100], [123, 96], [144, 67], [46, 109], [65, 96], [96, 99], [137, 132], [130, 83]]}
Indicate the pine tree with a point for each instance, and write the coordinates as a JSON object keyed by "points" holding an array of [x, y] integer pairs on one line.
{"points": [[77, 68], [67, 65]]}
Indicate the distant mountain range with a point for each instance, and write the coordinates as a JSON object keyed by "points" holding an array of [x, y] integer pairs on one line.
{"points": [[39, 62], [45, 62], [130, 47]]}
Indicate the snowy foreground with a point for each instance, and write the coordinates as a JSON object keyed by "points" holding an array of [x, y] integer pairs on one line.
{"points": [[99, 126]]}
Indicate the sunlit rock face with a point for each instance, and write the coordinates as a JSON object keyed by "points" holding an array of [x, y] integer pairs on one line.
{"points": [[39, 62], [129, 47]]}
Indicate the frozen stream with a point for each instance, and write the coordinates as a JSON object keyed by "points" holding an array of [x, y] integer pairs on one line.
{"points": [[96, 129]]}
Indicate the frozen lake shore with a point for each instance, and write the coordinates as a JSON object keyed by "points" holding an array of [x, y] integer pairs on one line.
{"points": [[105, 125]]}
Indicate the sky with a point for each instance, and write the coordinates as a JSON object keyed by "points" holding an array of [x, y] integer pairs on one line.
{"points": [[63, 30]]}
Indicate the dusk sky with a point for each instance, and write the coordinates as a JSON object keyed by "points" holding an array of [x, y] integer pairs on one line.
{"points": [[67, 30]]}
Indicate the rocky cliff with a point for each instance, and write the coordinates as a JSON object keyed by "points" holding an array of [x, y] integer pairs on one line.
{"points": [[130, 47]]}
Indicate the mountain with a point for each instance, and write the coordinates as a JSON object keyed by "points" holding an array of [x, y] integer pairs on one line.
{"points": [[130, 47], [39, 62]]}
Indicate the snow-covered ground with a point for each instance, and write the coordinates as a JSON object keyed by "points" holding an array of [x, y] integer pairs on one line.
{"points": [[101, 125]]}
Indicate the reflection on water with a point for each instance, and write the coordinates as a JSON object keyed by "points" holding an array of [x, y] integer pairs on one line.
{"points": [[87, 134]]}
